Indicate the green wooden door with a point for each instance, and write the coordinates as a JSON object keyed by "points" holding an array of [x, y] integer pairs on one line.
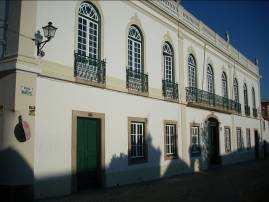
{"points": [[88, 148]]}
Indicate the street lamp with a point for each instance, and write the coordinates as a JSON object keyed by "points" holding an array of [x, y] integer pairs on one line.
{"points": [[49, 32]]}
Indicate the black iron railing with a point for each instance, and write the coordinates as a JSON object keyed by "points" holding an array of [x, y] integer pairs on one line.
{"points": [[247, 110], [90, 69], [255, 112], [136, 81], [170, 90], [210, 100]]}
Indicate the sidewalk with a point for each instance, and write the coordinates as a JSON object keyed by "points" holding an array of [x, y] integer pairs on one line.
{"points": [[244, 182]]}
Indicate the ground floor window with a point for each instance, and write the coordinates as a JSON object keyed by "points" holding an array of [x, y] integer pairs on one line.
{"points": [[227, 139], [248, 140], [240, 140], [137, 145], [170, 140], [195, 141]]}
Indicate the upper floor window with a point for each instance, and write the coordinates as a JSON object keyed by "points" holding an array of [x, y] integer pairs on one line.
{"points": [[224, 85], [3, 26], [236, 91], [210, 79], [135, 49], [168, 56], [253, 98], [245, 94], [89, 29], [192, 71]]}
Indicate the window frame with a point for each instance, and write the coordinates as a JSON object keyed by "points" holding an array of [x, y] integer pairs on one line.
{"points": [[175, 154], [248, 139], [224, 88], [137, 160], [227, 150], [194, 67], [210, 73], [99, 31], [197, 152], [236, 90], [141, 42], [171, 56], [245, 93], [253, 97], [240, 141]]}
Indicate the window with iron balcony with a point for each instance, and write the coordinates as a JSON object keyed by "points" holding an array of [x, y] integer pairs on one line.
{"points": [[136, 79], [169, 87], [89, 67]]}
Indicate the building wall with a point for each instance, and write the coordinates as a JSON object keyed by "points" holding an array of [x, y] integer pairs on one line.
{"points": [[53, 129], [56, 93]]}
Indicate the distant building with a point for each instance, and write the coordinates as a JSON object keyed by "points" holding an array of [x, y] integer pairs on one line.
{"points": [[127, 91], [265, 109]]}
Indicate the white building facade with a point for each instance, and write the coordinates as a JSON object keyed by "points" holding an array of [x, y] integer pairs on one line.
{"points": [[127, 91]]}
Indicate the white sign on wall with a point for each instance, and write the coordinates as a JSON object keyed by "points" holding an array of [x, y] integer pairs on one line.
{"points": [[26, 90]]}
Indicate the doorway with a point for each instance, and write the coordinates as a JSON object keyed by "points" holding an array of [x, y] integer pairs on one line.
{"points": [[88, 152], [256, 136], [213, 141]]}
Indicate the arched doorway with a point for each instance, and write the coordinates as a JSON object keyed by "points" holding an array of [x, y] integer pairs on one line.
{"points": [[213, 141]]}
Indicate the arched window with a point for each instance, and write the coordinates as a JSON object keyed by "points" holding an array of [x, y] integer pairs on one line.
{"points": [[245, 94], [253, 98], [224, 85], [168, 57], [236, 91], [89, 31], [135, 49], [192, 71], [210, 79]]}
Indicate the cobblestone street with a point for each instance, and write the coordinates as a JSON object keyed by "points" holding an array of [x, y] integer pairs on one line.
{"points": [[246, 182]]}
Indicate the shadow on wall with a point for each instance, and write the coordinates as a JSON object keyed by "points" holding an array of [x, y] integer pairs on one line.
{"points": [[16, 171], [16, 177], [123, 170]]}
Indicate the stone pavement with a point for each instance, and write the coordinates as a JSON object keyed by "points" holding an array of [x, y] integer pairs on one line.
{"points": [[244, 182]]}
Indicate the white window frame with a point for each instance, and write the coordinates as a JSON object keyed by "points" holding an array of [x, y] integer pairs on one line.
{"points": [[137, 137], [210, 79], [227, 139], [194, 130], [135, 50], [170, 139], [236, 90], [245, 92], [192, 68], [224, 85], [240, 139], [168, 56], [248, 139], [88, 31]]}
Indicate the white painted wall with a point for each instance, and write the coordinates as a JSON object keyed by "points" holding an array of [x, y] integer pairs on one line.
{"points": [[55, 102]]}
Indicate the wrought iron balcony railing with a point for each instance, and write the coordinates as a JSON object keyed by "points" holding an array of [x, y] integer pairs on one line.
{"points": [[170, 90], [212, 101], [255, 112], [247, 110], [136, 81], [90, 69]]}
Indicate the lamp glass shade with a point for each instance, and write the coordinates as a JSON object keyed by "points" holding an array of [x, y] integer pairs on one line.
{"points": [[49, 30]]}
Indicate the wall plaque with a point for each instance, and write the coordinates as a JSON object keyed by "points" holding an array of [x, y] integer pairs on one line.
{"points": [[32, 110], [26, 91]]}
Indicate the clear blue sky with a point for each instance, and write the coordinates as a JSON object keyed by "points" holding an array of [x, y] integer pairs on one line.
{"points": [[248, 23]]}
